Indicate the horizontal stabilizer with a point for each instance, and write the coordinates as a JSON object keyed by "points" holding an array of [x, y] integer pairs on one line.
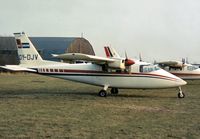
{"points": [[17, 68]]}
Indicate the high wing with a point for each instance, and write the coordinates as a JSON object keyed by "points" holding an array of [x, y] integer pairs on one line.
{"points": [[168, 62], [85, 57], [110, 62], [171, 63], [17, 68]]}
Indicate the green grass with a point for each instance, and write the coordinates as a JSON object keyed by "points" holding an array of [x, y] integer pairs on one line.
{"points": [[33, 106]]}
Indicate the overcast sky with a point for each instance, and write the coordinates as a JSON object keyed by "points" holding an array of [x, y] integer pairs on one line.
{"points": [[158, 29]]}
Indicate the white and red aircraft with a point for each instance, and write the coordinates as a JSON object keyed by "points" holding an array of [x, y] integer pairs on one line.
{"points": [[111, 73], [181, 69]]}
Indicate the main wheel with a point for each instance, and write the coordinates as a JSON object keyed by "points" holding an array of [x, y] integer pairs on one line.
{"points": [[181, 95], [102, 93], [114, 91]]}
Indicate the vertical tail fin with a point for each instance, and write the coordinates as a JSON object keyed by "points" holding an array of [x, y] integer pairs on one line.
{"points": [[107, 52], [111, 52], [27, 53]]}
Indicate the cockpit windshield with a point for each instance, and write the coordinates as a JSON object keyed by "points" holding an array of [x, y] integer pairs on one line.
{"points": [[191, 68], [148, 68]]}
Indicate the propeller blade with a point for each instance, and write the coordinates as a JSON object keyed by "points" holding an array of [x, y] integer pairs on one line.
{"points": [[183, 60], [126, 55], [140, 57]]}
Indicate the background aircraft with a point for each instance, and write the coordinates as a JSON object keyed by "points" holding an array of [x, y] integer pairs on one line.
{"points": [[111, 73], [181, 69]]}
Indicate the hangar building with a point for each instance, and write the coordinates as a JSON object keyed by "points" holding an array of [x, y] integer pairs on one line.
{"points": [[45, 46]]}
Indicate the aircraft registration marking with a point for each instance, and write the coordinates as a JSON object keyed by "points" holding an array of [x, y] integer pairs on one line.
{"points": [[28, 57]]}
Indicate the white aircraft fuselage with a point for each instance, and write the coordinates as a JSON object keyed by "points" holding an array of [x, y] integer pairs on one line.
{"points": [[188, 72], [93, 74], [139, 75]]}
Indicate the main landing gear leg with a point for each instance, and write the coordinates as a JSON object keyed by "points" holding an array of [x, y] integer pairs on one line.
{"points": [[181, 94], [103, 92]]}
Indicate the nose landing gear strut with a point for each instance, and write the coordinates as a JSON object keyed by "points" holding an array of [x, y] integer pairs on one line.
{"points": [[180, 94]]}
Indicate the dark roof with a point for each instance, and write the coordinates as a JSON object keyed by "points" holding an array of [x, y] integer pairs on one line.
{"points": [[51, 45], [7, 43]]}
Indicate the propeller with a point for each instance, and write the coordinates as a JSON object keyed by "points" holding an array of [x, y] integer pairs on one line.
{"points": [[183, 61], [128, 62], [187, 61], [140, 57], [154, 62]]}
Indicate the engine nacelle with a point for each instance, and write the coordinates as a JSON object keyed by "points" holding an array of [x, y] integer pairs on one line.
{"points": [[179, 64], [118, 64]]}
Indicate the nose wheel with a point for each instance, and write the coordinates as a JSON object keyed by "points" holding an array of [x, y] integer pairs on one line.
{"points": [[181, 94]]}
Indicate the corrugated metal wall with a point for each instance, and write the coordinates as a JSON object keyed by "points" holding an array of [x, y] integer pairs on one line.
{"points": [[80, 45], [8, 51]]}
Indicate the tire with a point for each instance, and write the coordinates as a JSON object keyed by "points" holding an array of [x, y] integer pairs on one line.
{"points": [[114, 91], [102, 93], [181, 95]]}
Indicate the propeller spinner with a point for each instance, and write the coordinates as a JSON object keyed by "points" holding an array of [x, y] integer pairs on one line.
{"points": [[128, 62]]}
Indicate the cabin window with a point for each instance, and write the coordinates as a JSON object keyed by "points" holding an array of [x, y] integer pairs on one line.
{"points": [[51, 70], [56, 70], [60, 70], [43, 70], [191, 68], [47, 70], [148, 68]]}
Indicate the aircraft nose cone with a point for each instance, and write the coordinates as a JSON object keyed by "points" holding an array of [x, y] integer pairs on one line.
{"points": [[182, 82]]}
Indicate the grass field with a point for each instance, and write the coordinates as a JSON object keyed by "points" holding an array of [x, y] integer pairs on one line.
{"points": [[33, 106]]}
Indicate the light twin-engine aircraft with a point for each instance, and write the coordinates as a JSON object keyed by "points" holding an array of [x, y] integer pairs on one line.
{"points": [[111, 73], [181, 69]]}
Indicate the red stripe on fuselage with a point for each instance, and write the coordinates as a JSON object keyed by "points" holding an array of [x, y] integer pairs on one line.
{"points": [[186, 74], [110, 73]]}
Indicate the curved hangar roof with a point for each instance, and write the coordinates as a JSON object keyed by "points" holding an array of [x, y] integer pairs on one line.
{"points": [[59, 45]]}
